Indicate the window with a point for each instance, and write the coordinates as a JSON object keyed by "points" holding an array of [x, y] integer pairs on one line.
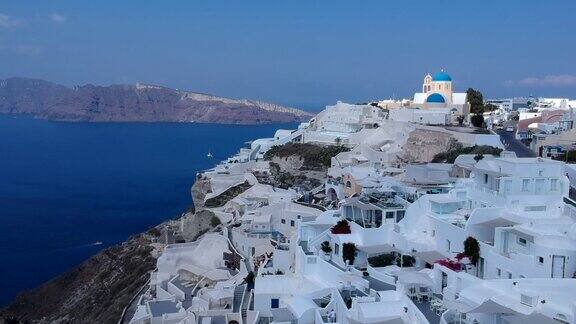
{"points": [[348, 212], [525, 185], [283, 221], [554, 184], [509, 275], [348, 184], [535, 208], [311, 260], [540, 260], [485, 178], [526, 300], [448, 245], [400, 215], [299, 217], [522, 241], [507, 185], [292, 223], [389, 215], [498, 272], [336, 249], [274, 303]]}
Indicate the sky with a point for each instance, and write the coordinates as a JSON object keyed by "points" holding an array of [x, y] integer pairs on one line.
{"points": [[300, 53]]}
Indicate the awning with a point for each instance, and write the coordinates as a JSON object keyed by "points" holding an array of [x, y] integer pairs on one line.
{"points": [[490, 306], [430, 256], [415, 279]]}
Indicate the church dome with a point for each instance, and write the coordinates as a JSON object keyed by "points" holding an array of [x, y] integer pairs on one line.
{"points": [[441, 76], [435, 98]]}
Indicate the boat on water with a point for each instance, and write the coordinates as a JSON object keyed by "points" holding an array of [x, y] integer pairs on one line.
{"points": [[98, 243], [209, 155]]}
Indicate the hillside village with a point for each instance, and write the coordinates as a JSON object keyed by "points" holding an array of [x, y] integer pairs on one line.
{"points": [[397, 211]]}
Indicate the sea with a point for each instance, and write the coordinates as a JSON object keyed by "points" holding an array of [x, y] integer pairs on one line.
{"points": [[68, 190]]}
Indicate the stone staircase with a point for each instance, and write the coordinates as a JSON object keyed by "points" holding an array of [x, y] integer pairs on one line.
{"points": [[238, 296]]}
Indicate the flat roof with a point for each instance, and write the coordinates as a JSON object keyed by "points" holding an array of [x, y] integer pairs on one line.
{"points": [[285, 284], [160, 307]]}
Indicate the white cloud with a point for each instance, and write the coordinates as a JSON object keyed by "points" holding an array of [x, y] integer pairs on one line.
{"points": [[560, 80], [9, 22], [58, 18]]}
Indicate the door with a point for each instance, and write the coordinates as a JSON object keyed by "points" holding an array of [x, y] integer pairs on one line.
{"points": [[540, 186], [558, 265], [507, 186], [480, 268]]}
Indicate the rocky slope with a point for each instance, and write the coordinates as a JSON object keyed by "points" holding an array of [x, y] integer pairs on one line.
{"points": [[98, 290], [134, 103], [94, 292], [422, 145]]}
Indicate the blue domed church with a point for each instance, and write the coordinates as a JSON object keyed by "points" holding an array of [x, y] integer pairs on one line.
{"points": [[437, 104], [438, 92]]}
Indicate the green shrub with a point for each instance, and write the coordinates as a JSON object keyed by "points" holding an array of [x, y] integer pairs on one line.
{"points": [[314, 156], [405, 261], [227, 195], [382, 260], [326, 248], [456, 149], [249, 278], [477, 120]]}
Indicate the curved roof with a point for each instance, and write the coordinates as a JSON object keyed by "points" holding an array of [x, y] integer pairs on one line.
{"points": [[435, 98], [441, 76]]}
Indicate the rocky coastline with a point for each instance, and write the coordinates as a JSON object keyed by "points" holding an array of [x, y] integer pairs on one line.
{"points": [[134, 103], [100, 289]]}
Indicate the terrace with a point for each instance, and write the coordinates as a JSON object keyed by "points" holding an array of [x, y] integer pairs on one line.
{"points": [[369, 212]]}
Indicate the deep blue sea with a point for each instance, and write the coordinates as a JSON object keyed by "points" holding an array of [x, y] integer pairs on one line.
{"points": [[65, 186]]}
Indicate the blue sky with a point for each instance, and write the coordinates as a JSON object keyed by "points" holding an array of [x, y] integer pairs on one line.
{"points": [[302, 53]]}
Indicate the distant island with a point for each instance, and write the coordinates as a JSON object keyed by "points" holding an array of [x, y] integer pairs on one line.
{"points": [[134, 103]]}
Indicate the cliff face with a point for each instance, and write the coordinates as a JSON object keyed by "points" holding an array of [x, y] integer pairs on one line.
{"points": [[98, 290], [134, 103], [94, 292], [422, 145]]}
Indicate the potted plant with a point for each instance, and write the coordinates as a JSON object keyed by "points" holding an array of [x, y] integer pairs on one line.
{"points": [[327, 249], [342, 227]]}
